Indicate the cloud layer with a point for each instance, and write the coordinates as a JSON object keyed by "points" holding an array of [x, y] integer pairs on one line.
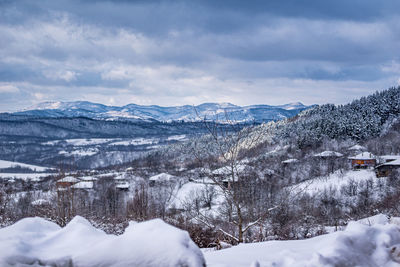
{"points": [[188, 52]]}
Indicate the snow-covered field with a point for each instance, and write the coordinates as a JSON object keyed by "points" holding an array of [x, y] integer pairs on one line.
{"points": [[359, 245], [80, 152], [25, 176], [116, 141], [82, 141], [136, 142], [11, 164]]}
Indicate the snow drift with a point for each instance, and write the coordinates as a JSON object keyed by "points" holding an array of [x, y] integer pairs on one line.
{"points": [[37, 242], [370, 242]]}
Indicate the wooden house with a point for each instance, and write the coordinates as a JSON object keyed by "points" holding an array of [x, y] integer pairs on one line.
{"points": [[385, 169], [363, 160], [66, 182]]}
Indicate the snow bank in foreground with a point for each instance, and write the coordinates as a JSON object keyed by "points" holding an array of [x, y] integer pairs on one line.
{"points": [[358, 245], [37, 242]]}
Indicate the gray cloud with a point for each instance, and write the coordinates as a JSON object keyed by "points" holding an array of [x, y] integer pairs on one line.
{"points": [[187, 52]]}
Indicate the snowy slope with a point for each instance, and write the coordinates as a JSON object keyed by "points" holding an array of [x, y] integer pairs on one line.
{"points": [[334, 181], [213, 111], [4, 164], [358, 245]]}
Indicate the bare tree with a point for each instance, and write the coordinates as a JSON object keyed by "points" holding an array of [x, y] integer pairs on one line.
{"points": [[226, 146]]}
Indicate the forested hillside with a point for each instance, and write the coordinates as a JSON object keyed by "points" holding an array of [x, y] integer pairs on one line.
{"points": [[359, 120]]}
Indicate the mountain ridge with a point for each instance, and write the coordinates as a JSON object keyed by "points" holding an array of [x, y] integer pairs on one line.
{"points": [[209, 111]]}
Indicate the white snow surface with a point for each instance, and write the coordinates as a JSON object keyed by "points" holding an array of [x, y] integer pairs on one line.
{"points": [[394, 162], [180, 137], [190, 191], [162, 177], [364, 156], [357, 147], [25, 176], [80, 152], [82, 141], [226, 170], [83, 185], [358, 245], [68, 179], [328, 154], [136, 142], [335, 180], [37, 242], [11, 164]]}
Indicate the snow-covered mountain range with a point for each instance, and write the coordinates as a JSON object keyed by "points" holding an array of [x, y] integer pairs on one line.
{"points": [[210, 111]]}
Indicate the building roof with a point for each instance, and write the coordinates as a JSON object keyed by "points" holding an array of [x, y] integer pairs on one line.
{"points": [[363, 156], [357, 147], [326, 154], [68, 179], [87, 178], [392, 163], [83, 185], [389, 157], [162, 177]]}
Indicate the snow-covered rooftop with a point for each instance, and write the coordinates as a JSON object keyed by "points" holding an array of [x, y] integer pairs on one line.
{"points": [[357, 147], [392, 163], [364, 155], [87, 178], [326, 154], [68, 179], [389, 157], [83, 185], [162, 177]]}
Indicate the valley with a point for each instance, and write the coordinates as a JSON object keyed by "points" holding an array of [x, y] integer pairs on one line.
{"points": [[224, 183]]}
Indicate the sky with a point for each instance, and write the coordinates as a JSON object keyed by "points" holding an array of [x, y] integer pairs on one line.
{"points": [[172, 53]]}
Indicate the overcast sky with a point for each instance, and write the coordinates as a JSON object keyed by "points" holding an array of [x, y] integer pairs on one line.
{"points": [[189, 52]]}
